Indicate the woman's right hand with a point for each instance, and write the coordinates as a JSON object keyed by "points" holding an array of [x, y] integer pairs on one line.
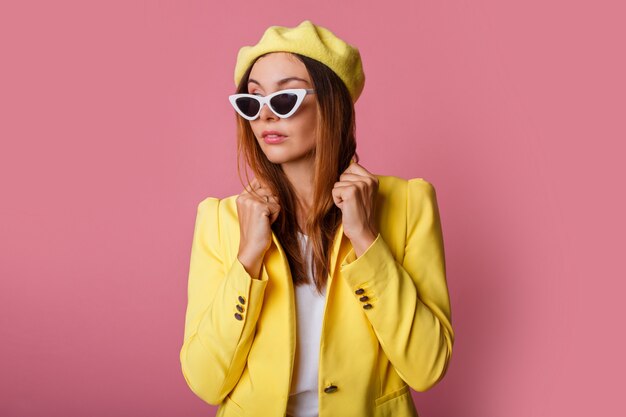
{"points": [[256, 215]]}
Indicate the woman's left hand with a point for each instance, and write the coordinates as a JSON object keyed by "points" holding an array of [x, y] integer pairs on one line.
{"points": [[355, 194]]}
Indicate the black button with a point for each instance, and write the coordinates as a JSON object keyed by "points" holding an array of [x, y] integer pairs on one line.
{"points": [[240, 308], [238, 316], [364, 298], [367, 306], [330, 388], [241, 300], [359, 291]]}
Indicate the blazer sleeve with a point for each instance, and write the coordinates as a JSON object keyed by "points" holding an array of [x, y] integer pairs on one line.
{"points": [[216, 341], [409, 302]]}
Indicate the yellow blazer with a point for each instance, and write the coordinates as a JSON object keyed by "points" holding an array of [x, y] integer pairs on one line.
{"points": [[240, 334]]}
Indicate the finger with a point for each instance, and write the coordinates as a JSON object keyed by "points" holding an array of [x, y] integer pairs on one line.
{"points": [[256, 183], [252, 185], [356, 168], [261, 193], [350, 167], [357, 183], [342, 184], [271, 205], [274, 213], [338, 193], [352, 177], [260, 184], [337, 198], [258, 190]]}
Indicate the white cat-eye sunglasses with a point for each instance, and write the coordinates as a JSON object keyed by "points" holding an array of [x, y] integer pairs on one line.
{"points": [[283, 103]]}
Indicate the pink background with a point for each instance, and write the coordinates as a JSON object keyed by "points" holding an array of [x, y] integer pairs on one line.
{"points": [[115, 124]]}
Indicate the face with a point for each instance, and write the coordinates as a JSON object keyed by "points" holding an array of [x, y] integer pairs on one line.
{"points": [[274, 72]]}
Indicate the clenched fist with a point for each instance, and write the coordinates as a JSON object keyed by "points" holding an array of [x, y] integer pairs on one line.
{"points": [[355, 194], [256, 211]]}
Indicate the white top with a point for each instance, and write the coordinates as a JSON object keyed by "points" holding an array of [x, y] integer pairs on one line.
{"points": [[303, 396]]}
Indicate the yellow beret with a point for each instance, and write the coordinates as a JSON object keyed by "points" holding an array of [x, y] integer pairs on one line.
{"points": [[314, 42]]}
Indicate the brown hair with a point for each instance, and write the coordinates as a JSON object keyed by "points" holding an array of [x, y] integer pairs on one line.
{"points": [[335, 146]]}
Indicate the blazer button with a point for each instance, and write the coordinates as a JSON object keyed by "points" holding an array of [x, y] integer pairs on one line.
{"points": [[238, 316], [330, 389], [240, 308], [359, 291], [367, 306], [364, 298], [241, 299]]}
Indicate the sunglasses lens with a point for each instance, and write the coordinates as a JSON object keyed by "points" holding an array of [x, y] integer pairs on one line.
{"points": [[248, 106], [283, 103]]}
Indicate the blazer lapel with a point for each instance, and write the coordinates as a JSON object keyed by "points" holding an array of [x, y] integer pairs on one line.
{"points": [[282, 308], [340, 248]]}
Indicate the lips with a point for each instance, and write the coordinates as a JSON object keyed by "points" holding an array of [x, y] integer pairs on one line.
{"points": [[272, 134]]}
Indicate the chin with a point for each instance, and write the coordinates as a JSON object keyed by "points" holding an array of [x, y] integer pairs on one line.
{"points": [[276, 157], [281, 159]]}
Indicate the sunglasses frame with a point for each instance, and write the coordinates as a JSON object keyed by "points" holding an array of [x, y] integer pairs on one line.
{"points": [[299, 92]]}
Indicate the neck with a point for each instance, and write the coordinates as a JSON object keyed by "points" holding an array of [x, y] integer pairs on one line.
{"points": [[300, 175]]}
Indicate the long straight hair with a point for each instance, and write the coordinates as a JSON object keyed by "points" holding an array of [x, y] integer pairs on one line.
{"points": [[335, 146]]}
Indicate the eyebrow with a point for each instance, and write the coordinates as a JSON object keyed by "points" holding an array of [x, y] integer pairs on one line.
{"points": [[281, 82]]}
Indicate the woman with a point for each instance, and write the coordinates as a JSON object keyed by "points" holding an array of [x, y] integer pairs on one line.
{"points": [[321, 288]]}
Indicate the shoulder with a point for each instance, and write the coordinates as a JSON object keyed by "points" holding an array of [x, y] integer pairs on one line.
{"points": [[211, 201], [389, 187], [222, 209], [390, 184], [397, 197]]}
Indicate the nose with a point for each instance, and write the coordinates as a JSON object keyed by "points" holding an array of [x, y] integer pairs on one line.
{"points": [[266, 113]]}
